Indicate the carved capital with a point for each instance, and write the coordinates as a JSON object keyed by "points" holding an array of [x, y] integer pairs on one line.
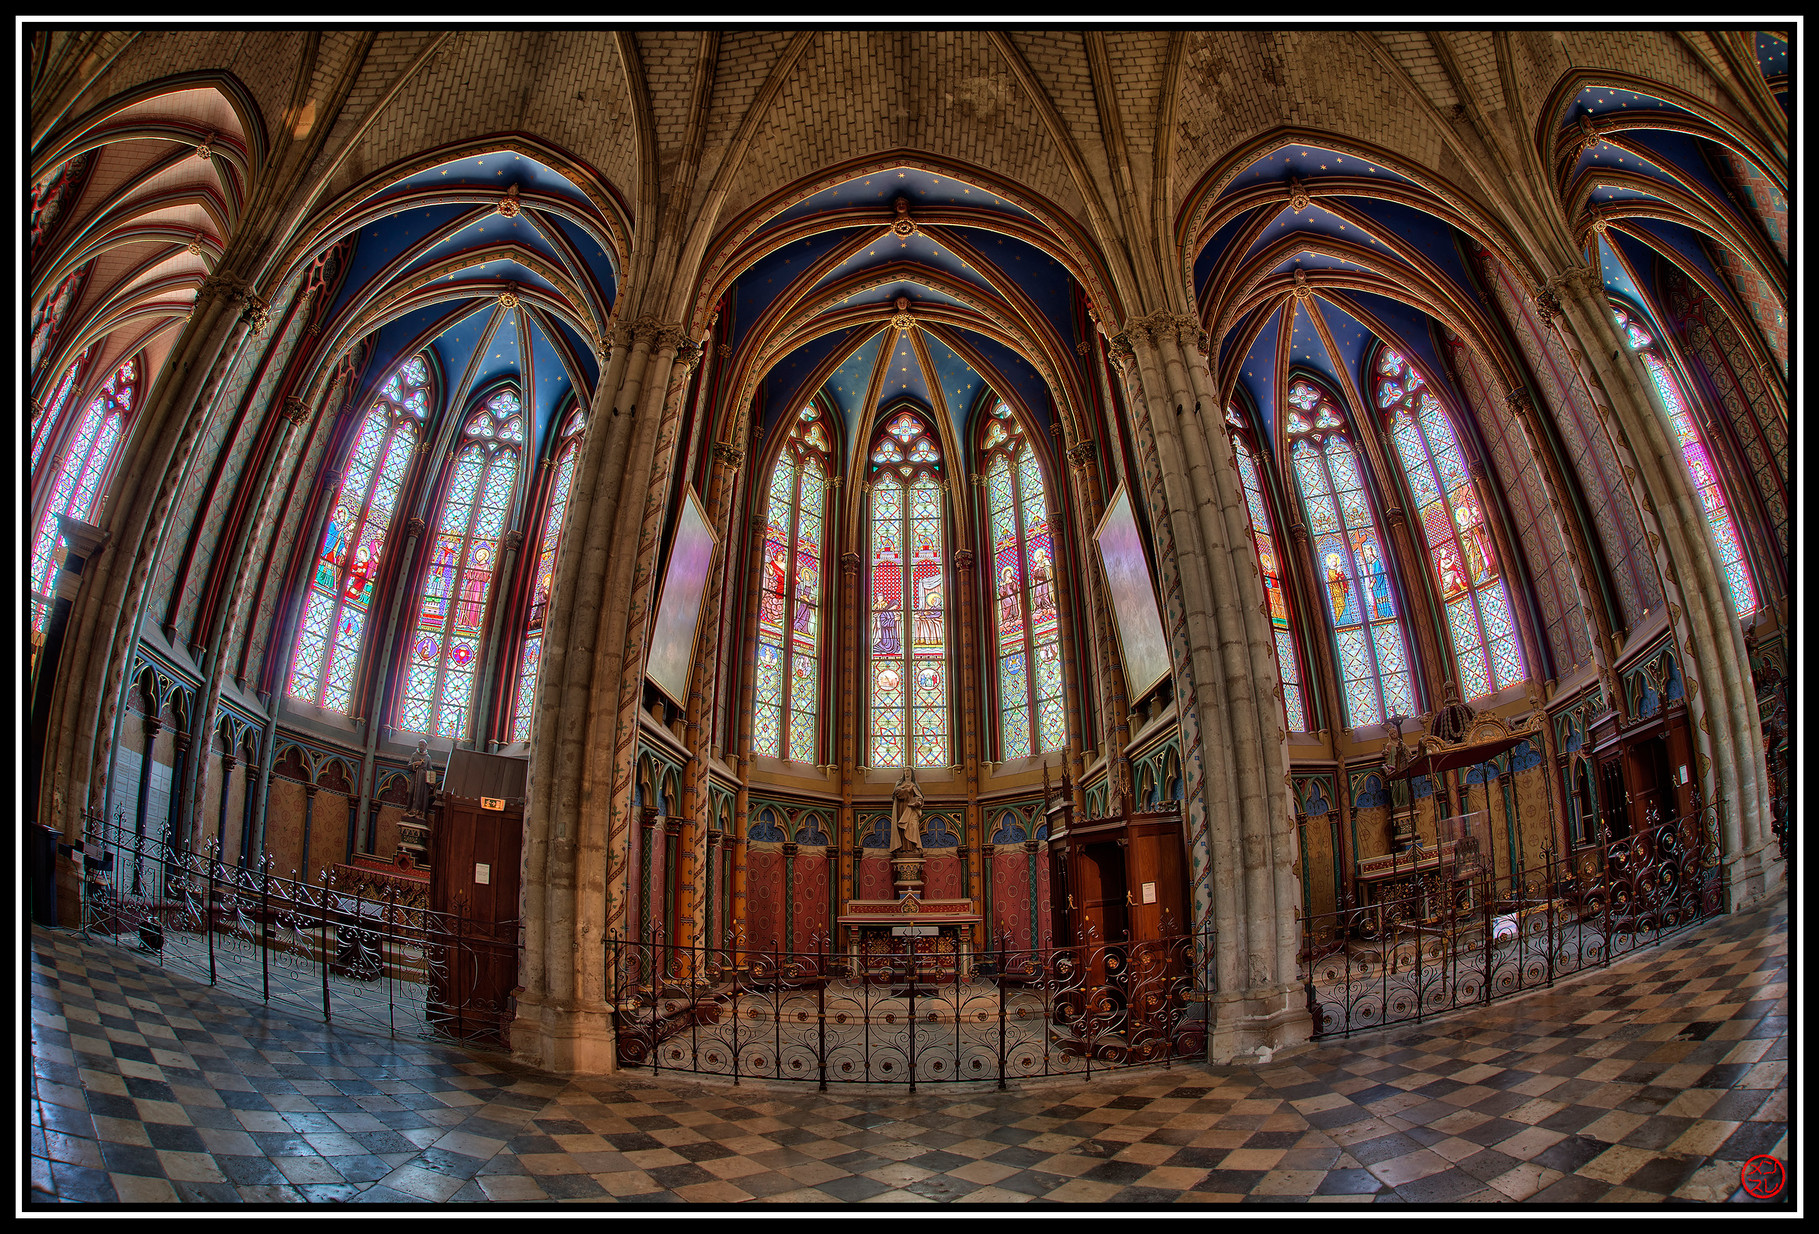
{"points": [[759, 524], [509, 205], [1518, 401], [1547, 305], [671, 335], [294, 409], [645, 329], [1298, 532], [1394, 516], [254, 312], [728, 457], [331, 479], [413, 527], [850, 563], [511, 540], [1082, 453], [964, 559], [1121, 351], [688, 355]]}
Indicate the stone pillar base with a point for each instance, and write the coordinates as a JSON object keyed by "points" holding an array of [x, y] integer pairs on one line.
{"points": [[1268, 1018], [574, 1040], [1754, 876]]}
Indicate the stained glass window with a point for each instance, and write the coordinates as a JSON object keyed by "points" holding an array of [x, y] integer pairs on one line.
{"points": [[567, 454], [444, 651], [787, 686], [1030, 712], [1700, 463], [1288, 662], [78, 484], [1451, 512], [908, 614], [1349, 561], [47, 416], [340, 593]]}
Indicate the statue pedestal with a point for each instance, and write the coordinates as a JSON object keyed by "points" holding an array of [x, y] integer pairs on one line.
{"points": [[413, 841], [906, 871]]}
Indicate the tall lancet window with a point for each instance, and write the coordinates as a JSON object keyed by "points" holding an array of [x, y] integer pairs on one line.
{"points": [[1349, 562], [47, 417], [1452, 515], [444, 652], [567, 454], [1699, 461], [340, 594], [1030, 712], [788, 680], [908, 675], [79, 477], [1288, 662]]}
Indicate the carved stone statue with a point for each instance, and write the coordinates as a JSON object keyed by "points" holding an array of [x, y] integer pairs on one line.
{"points": [[423, 781], [906, 824]]}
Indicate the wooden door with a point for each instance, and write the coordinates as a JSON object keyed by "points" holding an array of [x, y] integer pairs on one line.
{"points": [[474, 881]]}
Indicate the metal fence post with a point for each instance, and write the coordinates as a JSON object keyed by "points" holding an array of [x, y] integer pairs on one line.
{"points": [[1002, 997], [327, 1017], [265, 927]]}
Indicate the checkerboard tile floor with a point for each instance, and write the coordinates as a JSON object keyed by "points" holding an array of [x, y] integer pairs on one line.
{"points": [[1650, 1081]]}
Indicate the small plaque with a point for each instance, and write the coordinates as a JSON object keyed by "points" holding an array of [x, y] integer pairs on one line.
{"points": [[1149, 893], [915, 931], [483, 873], [492, 803]]}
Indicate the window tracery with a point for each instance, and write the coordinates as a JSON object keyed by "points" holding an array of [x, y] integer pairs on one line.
{"points": [[46, 418], [340, 592], [568, 453], [907, 651], [1699, 462], [79, 479], [787, 682], [444, 652], [1452, 515], [1349, 561], [1288, 661], [1031, 717]]}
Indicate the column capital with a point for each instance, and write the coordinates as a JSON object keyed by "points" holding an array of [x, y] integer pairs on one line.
{"points": [[728, 456], [294, 409], [1082, 453]]}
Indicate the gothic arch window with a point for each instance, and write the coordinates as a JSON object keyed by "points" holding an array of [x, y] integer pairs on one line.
{"points": [[78, 484], [787, 685], [46, 417], [1031, 717], [1349, 561], [567, 455], [1699, 462], [340, 593], [1452, 515], [907, 649], [1269, 563], [444, 652]]}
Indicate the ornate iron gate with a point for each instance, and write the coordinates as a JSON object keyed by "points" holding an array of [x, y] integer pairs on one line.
{"points": [[905, 1015], [392, 965], [1450, 939]]}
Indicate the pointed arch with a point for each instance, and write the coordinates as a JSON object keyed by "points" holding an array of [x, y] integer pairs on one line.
{"points": [[787, 682], [1349, 559], [906, 653], [564, 458], [341, 589], [1032, 718], [443, 656]]}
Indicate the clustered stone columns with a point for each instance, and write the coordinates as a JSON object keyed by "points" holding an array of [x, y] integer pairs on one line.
{"points": [[564, 1020], [1241, 844], [1720, 701]]}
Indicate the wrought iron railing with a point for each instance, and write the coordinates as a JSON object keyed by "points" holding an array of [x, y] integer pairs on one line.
{"points": [[905, 1011], [388, 963], [1450, 936]]}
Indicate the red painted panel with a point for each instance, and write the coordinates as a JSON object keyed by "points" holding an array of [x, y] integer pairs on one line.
{"points": [[941, 876], [1011, 898], [810, 928], [763, 900], [875, 878]]}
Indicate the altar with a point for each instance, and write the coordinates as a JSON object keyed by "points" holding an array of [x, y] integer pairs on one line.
{"points": [[886, 938]]}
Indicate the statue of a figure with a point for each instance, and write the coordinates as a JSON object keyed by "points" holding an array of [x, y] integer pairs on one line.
{"points": [[423, 780], [907, 825]]}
